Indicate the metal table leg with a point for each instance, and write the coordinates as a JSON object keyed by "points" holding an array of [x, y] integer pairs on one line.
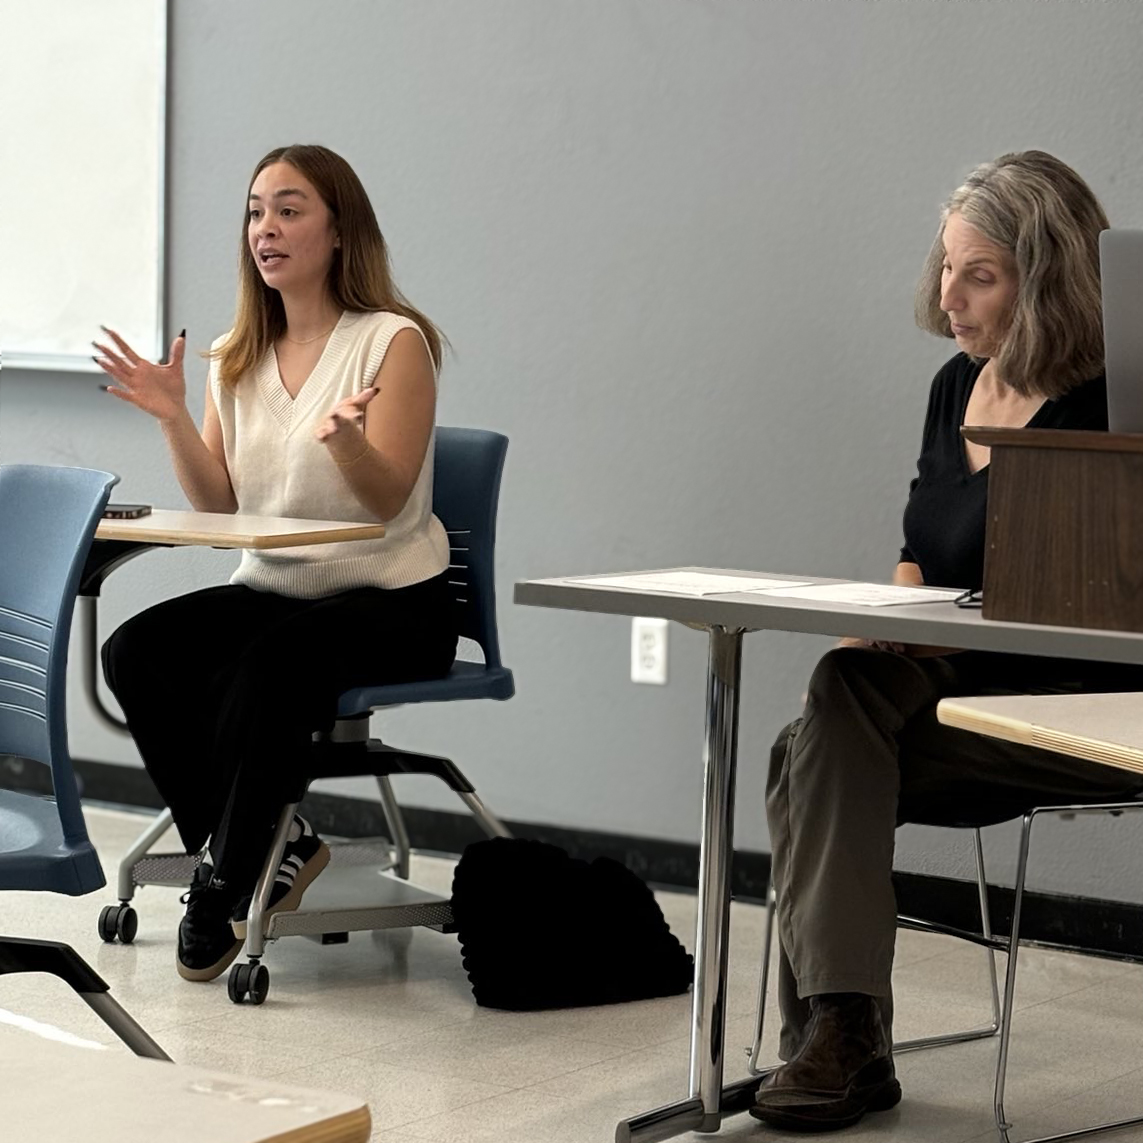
{"points": [[87, 610], [703, 1110], [103, 558]]}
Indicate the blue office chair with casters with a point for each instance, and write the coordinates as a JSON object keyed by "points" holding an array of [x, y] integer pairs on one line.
{"points": [[466, 487], [48, 518], [466, 490]]}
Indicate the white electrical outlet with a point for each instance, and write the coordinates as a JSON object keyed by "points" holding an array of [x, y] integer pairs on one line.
{"points": [[648, 650]]}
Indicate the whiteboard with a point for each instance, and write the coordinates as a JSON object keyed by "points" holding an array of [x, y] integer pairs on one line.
{"points": [[82, 141]]}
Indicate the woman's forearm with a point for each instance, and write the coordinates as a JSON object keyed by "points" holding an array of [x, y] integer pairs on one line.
{"points": [[378, 487], [201, 475], [908, 575]]}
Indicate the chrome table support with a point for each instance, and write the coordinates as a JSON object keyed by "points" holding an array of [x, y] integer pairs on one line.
{"points": [[703, 1110]]}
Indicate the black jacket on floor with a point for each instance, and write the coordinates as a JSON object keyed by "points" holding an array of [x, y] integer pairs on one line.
{"points": [[539, 929]]}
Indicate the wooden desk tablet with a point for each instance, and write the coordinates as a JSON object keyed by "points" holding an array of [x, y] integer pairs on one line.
{"points": [[1100, 728], [119, 541], [220, 530]]}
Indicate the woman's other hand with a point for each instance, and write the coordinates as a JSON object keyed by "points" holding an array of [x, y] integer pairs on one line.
{"points": [[156, 389], [929, 651], [341, 430], [913, 650], [874, 645]]}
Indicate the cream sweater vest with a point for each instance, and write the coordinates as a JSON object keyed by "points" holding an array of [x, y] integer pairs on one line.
{"points": [[278, 468]]}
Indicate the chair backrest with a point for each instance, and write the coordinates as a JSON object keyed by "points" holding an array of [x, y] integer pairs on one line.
{"points": [[48, 518], [466, 490]]}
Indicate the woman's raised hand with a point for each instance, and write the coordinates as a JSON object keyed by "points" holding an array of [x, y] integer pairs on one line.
{"points": [[156, 389], [341, 428]]}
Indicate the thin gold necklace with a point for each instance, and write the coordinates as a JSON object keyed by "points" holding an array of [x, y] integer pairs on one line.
{"points": [[308, 340]]}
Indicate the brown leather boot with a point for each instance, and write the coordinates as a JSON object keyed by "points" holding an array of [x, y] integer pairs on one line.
{"points": [[843, 1069]]}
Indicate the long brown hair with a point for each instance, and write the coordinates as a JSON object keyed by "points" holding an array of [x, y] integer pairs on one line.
{"points": [[1037, 208], [360, 279]]}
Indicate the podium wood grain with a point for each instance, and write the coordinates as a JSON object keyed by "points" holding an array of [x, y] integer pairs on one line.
{"points": [[1065, 527]]}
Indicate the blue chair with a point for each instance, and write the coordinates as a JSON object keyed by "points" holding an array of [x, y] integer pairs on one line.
{"points": [[466, 489], [48, 518]]}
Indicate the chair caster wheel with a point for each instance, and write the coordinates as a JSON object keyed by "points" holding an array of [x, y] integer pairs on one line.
{"points": [[118, 922], [248, 982]]}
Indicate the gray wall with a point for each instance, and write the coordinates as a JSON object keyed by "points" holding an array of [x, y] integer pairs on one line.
{"points": [[674, 245]]}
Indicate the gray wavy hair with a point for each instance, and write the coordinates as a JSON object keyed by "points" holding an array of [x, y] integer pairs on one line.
{"points": [[1037, 208]]}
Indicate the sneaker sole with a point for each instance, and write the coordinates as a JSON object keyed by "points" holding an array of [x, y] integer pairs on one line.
{"points": [[212, 971], [809, 1118], [293, 898]]}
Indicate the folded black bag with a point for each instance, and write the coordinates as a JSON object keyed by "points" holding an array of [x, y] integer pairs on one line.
{"points": [[539, 929]]}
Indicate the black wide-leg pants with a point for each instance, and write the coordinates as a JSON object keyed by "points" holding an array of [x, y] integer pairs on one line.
{"points": [[222, 690]]}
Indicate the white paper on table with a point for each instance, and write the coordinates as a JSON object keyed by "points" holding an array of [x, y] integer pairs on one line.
{"points": [[687, 583], [865, 594]]}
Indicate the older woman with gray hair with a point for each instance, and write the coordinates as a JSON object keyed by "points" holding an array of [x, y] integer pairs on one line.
{"points": [[1013, 278]]}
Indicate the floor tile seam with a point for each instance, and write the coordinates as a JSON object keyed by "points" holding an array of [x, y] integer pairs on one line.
{"points": [[1053, 999], [158, 1031], [575, 1071], [273, 1048], [1043, 1105], [1051, 1103], [411, 1039], [1107, 971], [359, 1050], [1032, 1005], [649, 1044], [614, 1050], [946, 953], [515, 1088], [623, 1049], [178, 1022], [502, 1089], [413, 1124], [456, 1106], [621, 1046]]}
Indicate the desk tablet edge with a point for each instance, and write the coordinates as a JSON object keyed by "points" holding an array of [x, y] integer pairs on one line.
{"points": [[189, 538], [1008, 729]]}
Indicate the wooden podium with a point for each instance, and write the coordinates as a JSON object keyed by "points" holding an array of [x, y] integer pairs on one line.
{"points": [[1064, 542]]}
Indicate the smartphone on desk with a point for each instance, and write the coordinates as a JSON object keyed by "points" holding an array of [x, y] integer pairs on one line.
{"points": [[126, 511]]}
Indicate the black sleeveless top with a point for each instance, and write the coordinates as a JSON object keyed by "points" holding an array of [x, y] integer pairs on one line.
{"points": [[946, 511]]}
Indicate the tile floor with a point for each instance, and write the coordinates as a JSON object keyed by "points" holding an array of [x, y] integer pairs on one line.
{"points": [[390, 1017]]}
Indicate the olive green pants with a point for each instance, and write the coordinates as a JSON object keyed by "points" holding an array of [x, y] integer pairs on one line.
{"points": [[868, 755]]}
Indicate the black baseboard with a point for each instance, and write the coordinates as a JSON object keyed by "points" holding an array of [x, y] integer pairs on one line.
{"points": [[1103, 928]]}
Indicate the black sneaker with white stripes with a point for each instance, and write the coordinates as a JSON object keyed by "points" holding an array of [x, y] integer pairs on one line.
{"points": [[207, 942], [305, 856]]}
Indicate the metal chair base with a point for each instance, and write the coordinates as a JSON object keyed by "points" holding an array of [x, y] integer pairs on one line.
{"points": [[358, 896], [18, 955]]}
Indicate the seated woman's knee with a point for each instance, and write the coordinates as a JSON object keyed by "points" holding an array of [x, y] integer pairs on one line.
{"points": [[130, 646], [839, 666]]}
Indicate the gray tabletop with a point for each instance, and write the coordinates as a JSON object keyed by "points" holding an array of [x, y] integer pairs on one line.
{"points": [[943, 624]]}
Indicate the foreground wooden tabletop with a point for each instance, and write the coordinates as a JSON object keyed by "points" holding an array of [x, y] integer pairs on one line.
{"points": [[59, 1091]]}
